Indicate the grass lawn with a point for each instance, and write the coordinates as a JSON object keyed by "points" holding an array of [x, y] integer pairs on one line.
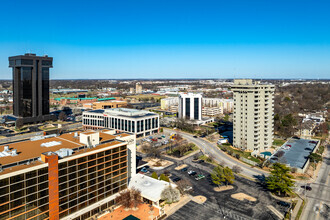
{"points": [[207, 159], [278, 142], [192, 150], [247, 155], [300, 210]]}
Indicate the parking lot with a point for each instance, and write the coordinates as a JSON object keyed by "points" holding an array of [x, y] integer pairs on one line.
{"points": [[221, 204]]}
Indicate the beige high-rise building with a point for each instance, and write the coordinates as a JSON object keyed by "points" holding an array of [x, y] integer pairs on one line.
{"points": [[253, 115], [138, 88]]}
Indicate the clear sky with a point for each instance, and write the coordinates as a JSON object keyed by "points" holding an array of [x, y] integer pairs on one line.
{"points": [[170, 38]]}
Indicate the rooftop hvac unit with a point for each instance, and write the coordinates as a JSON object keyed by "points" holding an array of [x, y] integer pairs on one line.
{"points": [[6, 148], [14, 152], [64, 152]]}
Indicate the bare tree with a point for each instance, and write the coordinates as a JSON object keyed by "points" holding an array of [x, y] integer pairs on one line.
{"points": [[237, 169]]}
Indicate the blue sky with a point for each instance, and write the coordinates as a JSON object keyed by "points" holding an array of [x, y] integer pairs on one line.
{"points": [[170, 38]]}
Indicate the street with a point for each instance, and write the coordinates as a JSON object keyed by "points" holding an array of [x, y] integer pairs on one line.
{"points": [[317, 207], [218, 155]]}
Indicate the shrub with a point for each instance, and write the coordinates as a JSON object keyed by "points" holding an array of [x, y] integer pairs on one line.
{"points": [[154, 175], [237, 156], [237, 169], [164, 177], [293, 169], [230, 152]]}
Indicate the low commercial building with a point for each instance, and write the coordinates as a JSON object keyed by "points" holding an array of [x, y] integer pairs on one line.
{"points": [[139, 122], [72, 176], [109, 104], [150, 188]]}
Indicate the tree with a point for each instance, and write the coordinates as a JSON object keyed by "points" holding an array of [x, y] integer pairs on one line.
{"points": [[237, 169], [19, 123], [154, 175], [226, 118], [280, 180], [62, 116], [182, 185], [164, 177], [136, 197], [124, 199], [229, 176], [315, 157], [218, 175], [170, 194], [129, 198]]}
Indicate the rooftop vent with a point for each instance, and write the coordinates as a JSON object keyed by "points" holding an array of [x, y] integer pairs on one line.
{"points": [[64, 152], [14, 152], [51, 144]]}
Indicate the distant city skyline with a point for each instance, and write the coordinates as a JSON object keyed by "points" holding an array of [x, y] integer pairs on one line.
{"points": [[170, 39]]}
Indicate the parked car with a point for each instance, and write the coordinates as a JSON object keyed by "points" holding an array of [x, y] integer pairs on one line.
{"points": [[202, 136], [191, 173], [184, 169], [159, 138], [284, 204], [144, 170], [163, 136], [195, 136], [199, 177], [307, 187], [175, 178]]}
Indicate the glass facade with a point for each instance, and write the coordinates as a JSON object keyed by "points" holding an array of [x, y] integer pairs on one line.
{"points": [[45, 90], [30, 85], [196, 108], [25, 196], [89, 179], [82, 182], [188, 107], [25, 74]]}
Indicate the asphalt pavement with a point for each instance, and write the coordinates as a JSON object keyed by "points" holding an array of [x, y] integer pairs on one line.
{"points": [[218, 155], [318, 199]]}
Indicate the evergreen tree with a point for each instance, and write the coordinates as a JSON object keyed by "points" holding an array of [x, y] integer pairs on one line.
{"points": [[164, 177], [280, 180], [154, 175]]}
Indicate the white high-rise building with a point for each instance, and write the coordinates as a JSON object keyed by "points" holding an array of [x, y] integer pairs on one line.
{"points": [[253, 115], [190, 106]]}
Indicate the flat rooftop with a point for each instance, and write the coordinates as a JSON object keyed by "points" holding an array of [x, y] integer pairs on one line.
{"points": [[125, 112], [27, 150], [150, 188], [294, 152]]}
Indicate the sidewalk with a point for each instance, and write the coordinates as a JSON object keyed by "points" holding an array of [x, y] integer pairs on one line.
{"points": [[171, 208], [296, 208]]}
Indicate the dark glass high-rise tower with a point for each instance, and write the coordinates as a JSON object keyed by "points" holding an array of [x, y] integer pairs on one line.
{"points": [[31, 86]]}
